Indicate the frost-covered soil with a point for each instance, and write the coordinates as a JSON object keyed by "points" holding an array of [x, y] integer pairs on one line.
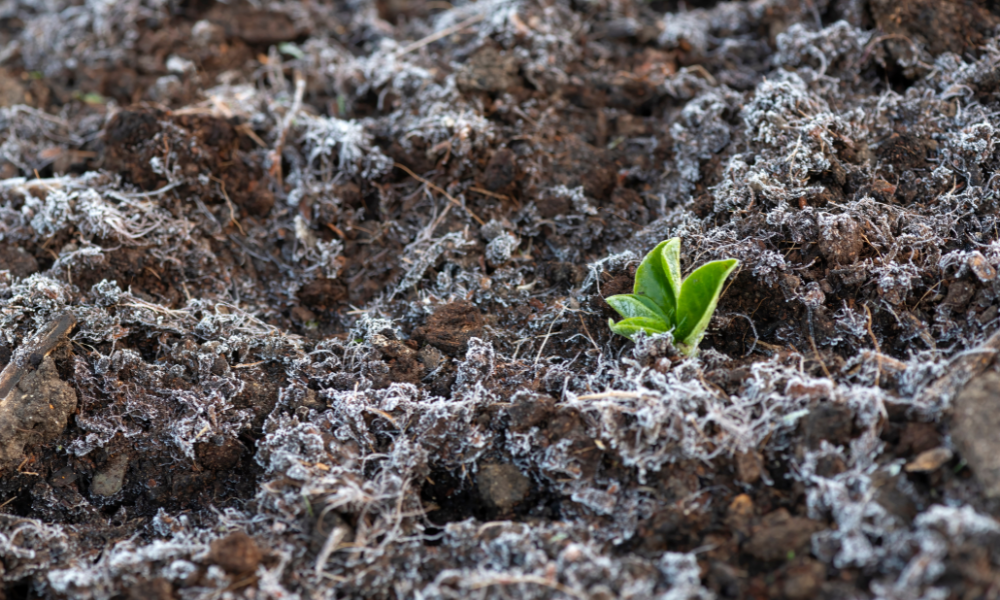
{"points": [[306, 301]]}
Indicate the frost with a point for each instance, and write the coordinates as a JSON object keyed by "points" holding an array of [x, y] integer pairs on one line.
{"points": [[347, 143]]}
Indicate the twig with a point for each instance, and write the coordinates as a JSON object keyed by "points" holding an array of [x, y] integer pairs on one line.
{"points": [[878, 352], [549, 334], [752, 328], [430, 39], [31, 353], [441, 191], [286, 124], [819, 358], [960, 371], [611, 394], [535, 579], [480, 190]]}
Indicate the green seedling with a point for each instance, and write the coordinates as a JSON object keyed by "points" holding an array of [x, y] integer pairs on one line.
{"points": [[661, 301]]}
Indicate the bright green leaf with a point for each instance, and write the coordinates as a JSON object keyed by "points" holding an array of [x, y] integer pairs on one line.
{"points": [[671, 256], [651, 281], [629, 327], [698, 299], [290, 49], [630, 305]]}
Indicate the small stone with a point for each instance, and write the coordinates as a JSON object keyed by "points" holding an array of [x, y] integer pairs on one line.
{"points": [[780, 534], [975, 421], [63, 477], [749, 466], [236, 553], [982, 269], [930, 460], [110, 479], [502, 486]]}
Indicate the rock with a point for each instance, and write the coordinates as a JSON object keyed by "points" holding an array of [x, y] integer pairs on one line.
{"points": [[740, 514], [236, 553], [502, 486], [749, 466], [488, 71], [110, 479], [779, 534], [35, 412], [975, 421], [803, 579], [63, 477]]}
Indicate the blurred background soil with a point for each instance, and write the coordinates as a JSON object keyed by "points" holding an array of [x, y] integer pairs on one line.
{"points": [[305, 299]]}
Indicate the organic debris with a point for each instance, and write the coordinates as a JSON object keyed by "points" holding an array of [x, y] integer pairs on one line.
{"points": [[307, 300]]}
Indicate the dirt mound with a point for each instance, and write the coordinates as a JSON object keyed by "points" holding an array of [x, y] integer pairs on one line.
{"points": [[307, 300]]}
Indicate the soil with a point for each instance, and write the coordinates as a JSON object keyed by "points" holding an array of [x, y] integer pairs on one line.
{"points": [[304, 300]]}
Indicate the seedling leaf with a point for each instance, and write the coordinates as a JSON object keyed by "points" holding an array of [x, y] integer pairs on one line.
{"points": [[671, 254], [698, 299], [651, 281], [629, 327], [663, 301], [630, 305]]}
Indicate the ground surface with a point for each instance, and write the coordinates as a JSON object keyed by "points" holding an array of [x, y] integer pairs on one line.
{"points": [[305, 300]]}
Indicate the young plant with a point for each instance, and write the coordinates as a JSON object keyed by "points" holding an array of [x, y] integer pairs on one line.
{"points": [[661, 301]]}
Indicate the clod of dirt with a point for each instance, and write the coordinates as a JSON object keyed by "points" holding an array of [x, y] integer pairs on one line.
{"points": [[12, 92], [451, 327], [943, 26], [975, 421], [749, 466], [157, 588], [828, 421], [35, 411], [17, 261], [586, 165], [501, 171], [323, 293], [502, 486], [780, 533], [219, 455], [803, 579], [236, 553], [488, 71], [841, 240], [256, 26], [217, 156], [110, 479]]}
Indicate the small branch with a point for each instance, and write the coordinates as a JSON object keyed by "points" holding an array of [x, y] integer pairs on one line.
{"points": [[535, 579], [878, 352], [441, 191], [286, 124], [611, 394], [430, 39]]}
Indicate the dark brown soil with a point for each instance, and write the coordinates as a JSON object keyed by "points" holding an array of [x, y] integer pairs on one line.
{"points": [[307, 300]]}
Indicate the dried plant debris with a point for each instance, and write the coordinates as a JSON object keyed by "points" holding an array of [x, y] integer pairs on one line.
{"points": [[307, 300]]}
